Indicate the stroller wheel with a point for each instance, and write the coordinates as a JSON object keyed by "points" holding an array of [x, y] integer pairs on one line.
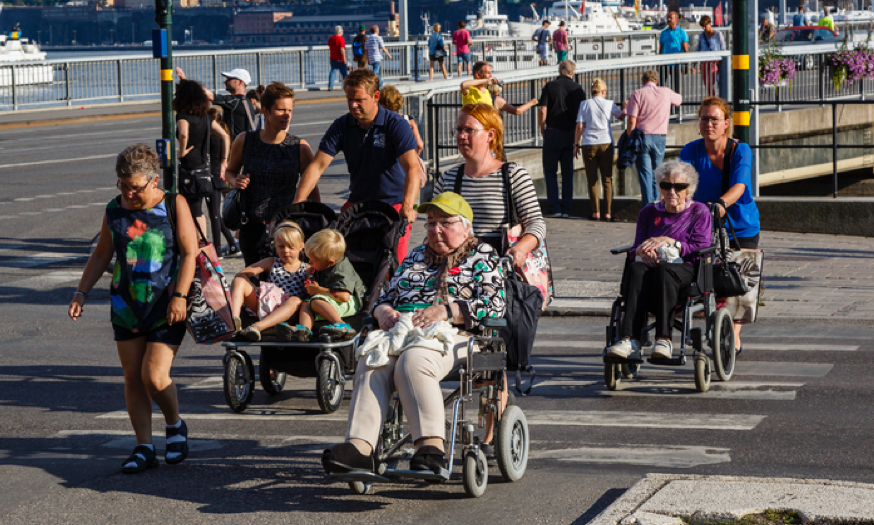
{"points": [[239, 381], [329, 389]]}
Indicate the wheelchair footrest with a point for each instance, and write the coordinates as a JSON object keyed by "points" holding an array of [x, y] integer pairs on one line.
{"points": [[613, 360], [424, 475], [676, 361], [366, 477]]}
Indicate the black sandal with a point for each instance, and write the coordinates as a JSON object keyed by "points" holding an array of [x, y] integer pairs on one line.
{"points": [[428, 458], [143, 457], [179, 447]]}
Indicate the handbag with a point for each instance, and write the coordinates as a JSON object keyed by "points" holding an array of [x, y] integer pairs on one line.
{"points": [[727, 280], [234, 207], [537, 270], [209, 318]]}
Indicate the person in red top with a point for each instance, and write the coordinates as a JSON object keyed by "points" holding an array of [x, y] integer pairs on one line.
{"points": [[462, 41], [337, 45]]}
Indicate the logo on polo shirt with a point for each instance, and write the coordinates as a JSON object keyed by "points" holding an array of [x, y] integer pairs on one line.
{"points": [[378, 139]]}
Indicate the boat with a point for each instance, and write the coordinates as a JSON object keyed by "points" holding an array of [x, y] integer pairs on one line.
{"points": [[15, 50], [488, 22], [582, 18]]}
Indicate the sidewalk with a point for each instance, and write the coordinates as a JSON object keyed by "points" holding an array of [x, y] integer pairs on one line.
{"points": [[811, 276], [663, 499]]}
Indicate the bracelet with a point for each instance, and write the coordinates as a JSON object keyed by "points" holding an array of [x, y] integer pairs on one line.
{"points": [[83, 294], [180, 294], [449, 315], [723, 204]]}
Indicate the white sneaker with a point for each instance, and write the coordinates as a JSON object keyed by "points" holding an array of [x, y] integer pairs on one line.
{"points": [[623, 348], [663, 349]]}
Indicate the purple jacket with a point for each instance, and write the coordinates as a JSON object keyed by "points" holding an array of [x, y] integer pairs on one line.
{"points": [[692, 226]]}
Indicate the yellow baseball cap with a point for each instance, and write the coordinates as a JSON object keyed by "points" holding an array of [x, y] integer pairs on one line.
{"points": [[449, 202]]}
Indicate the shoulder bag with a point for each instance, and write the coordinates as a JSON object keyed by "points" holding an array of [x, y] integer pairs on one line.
{"points": [[209, 316], [197, 182], [234, 207]]}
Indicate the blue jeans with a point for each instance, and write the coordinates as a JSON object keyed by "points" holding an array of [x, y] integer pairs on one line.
{"points": [[652, 155], [336, 65], [558, 149], [376, 68]]}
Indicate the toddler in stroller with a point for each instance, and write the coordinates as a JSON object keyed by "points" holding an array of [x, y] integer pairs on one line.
{"points": [[334, 287]]}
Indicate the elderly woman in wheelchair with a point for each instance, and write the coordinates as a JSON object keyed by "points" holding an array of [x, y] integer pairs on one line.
{"points": [[662, 261], [452, 282]]}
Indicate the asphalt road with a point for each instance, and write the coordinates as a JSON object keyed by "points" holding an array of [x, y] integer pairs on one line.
{"points": [[797, 406]]}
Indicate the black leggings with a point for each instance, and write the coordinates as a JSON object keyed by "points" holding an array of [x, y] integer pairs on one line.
{"points": [[653, 290], [216, 224], [251, 234]]}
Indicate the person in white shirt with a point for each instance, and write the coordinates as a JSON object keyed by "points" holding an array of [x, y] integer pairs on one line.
{"points": [[593, 127]]}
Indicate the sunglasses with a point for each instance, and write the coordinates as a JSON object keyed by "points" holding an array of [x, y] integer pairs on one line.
{"points": [[678, 186]]}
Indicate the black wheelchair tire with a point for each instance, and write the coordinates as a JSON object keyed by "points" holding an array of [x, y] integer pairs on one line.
{"points": [[272, 381], [239, 382], [723, 345], [512, 440], [475, 473], [329, 390], [360, 487], [611, 376], [630, 370], [702, 373]]}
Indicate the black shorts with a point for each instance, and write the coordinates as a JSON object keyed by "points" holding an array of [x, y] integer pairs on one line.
{"points": [[749, 243], [171, 335], [435, 58]]}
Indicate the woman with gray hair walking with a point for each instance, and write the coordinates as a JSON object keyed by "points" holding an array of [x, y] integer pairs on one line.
{"points": [[155, 252], [669, 231]]}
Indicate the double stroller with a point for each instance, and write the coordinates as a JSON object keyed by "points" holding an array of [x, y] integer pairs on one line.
{"points": [[372, 231]]}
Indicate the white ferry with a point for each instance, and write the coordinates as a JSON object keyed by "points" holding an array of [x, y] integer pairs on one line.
{"points": [[14, 49], [581, 17], [488, 23]]}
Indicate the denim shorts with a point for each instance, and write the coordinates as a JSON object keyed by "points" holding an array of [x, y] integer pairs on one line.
{"points": [[464, 57], [171, 335]]}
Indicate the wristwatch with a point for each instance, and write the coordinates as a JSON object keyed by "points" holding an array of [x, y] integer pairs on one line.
{"points": [[449, 315], [180, 294], [678, 244]]}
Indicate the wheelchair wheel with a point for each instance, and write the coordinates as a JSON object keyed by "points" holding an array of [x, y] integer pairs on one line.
{"points": [[723, 345], [239, 382], [702, 373], [271, 380], [512, 443], [611, 376], [329, 389], [475, 473], [630, 370], [360, 487]]}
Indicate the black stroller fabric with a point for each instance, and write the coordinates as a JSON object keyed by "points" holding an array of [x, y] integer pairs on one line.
{"points": [[311, 216], [524, 307], [372, 230]]}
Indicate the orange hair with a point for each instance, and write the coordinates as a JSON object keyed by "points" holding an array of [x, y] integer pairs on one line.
{"points": [[721, 104], [491, 119]]}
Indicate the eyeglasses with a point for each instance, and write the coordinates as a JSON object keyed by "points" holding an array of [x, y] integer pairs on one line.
{"points": [[444, 224], [464, 132], [124, 188], [710, 121], [677, 186]]}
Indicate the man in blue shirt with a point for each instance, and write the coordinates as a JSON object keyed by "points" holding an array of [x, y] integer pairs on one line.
{"points": [[380, 151], [800, 18], [672, 40]]}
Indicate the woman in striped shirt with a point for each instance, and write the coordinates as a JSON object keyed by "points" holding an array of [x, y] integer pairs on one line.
{"points": [[479, 137]]}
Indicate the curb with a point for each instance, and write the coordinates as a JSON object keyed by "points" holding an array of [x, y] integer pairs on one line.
{"points": [[623, 510]]}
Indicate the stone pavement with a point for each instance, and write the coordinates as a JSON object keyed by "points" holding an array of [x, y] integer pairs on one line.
{"points": [[663, 499], [806, 275]]}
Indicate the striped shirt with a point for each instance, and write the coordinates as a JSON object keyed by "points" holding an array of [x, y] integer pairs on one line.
{"points": [[487, 198], [373, 46]]}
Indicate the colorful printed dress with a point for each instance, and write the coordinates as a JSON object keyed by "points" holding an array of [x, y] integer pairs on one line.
{"points": [[145, 267]]}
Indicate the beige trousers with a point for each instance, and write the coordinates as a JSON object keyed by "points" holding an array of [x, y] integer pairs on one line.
{"points": [[416, 375]]}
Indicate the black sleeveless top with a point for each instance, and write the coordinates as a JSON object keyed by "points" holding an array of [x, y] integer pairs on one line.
{"points": [[198, 136], [274, 170]]}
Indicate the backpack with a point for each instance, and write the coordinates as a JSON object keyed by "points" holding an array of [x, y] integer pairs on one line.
{"points": [[357, 47]]}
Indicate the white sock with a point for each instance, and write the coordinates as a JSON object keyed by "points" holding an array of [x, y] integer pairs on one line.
{"points": [[177, 425], [133, 464]]}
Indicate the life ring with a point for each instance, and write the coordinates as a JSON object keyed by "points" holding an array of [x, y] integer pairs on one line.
{"points": [[620, 46], [595, 47]]}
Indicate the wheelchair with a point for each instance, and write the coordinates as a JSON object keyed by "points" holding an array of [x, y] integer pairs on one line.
{"points": [[715, 333], [481, 380]]}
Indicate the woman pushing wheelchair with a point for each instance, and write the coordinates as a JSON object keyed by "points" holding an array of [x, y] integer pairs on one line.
{"points": [[451, 282], [668, 233]]}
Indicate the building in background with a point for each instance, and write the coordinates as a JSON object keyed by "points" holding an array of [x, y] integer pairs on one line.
{"points": [[303, 30]]}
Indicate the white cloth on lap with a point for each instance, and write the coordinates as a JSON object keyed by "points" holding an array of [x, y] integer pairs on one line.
{"points": [[381, 344]]}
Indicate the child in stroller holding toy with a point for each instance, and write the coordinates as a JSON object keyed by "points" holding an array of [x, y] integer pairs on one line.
{"points": [[334, 287], [279, 296]]}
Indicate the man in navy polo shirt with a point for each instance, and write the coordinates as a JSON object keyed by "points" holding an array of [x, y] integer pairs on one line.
{"points": [[380, 151]]}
